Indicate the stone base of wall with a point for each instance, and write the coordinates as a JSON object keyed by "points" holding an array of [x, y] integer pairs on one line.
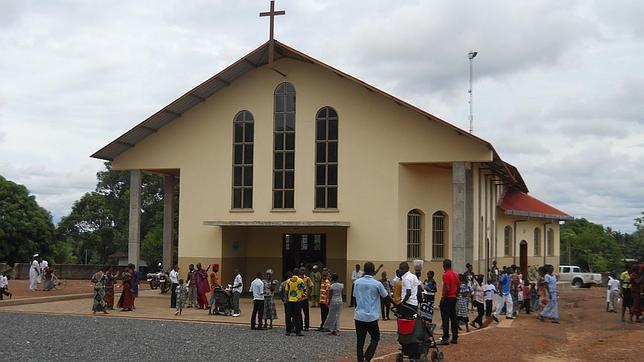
{"points": [[67, 271]]}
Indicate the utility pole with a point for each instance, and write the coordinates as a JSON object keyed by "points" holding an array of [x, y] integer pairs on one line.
{"points": [[471, 56]]}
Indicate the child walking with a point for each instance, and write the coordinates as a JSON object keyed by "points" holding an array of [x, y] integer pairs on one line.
{"points": [[182, 295], [490, 289], [527, 297]]}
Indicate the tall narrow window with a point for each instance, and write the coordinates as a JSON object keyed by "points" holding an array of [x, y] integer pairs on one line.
{"points": [[326, 159], [284, 147], [243, 160], [551, 242], [439, 232], [537, 241], [414, 234], [507, 241]]}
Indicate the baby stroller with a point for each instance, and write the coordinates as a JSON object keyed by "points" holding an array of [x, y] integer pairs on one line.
{"points": [[223, 302], [416, 333]]}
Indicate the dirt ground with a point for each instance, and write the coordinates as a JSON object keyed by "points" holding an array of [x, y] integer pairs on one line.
{"points": [[586, 333]]}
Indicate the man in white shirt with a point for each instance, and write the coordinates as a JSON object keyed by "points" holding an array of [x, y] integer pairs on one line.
{"points": [[4, 285], [613, 290], [257, 288], [410, 285], [34, 272], [489, 291], [355, 275], [174, 280], [238, 287]]}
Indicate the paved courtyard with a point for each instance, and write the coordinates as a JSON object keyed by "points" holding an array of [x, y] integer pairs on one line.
{"points": [[57, 337]]}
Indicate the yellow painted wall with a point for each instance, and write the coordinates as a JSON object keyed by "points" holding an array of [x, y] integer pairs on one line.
{"points": [[429, 189], [375, 136]]}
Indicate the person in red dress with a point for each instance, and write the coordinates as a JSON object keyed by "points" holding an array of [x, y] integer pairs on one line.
{"points": [[126, 301], [202, 286]]}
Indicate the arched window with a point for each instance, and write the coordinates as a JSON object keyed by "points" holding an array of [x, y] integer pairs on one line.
{"points": [[414, 234], [326, 159], [537, 241], [439, 234], [507, 241], [284, 147], [243, 161], [551, 242]]}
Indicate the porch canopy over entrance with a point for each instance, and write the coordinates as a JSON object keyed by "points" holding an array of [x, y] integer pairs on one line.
{"points": [[345, 224], [252, 246]]}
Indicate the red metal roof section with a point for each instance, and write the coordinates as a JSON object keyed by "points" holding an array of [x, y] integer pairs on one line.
{"points": [[521, 204]]}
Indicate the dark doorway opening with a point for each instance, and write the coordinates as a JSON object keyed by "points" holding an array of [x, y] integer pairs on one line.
{"points": [[303, 250], [523, 257]]}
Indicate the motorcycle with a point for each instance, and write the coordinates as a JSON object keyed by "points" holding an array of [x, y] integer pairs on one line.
{"points": [[159, 279]]}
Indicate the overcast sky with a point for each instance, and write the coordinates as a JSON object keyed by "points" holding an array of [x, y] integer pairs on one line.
{"points": [[559, 85]]}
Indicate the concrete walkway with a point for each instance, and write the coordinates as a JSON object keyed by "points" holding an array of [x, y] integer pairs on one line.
{"points": [[153, 305]]}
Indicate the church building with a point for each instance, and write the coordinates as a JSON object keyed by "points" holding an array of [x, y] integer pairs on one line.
{"points": [[284, 161]]}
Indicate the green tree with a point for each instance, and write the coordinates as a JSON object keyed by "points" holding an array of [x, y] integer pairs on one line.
{"points": [[89, 226], [589, 245], [152, 246], [25, 227], [99, 222]]}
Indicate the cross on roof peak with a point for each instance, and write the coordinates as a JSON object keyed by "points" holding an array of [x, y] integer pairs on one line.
{"points": [[271, 14]]}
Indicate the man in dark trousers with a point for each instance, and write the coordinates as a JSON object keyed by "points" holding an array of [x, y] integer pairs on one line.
{"points": [[368, 293], [448, 303]]}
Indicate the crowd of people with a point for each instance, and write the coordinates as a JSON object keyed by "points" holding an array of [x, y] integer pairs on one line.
{"points": [[404, 295], [40, 272], [105, 281], [629, 289]]}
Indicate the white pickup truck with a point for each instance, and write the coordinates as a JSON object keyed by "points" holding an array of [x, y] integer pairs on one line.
{"points": [[574, 275]]}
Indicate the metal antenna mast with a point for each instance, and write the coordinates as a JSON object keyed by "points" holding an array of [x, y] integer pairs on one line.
{"points": [[471, 56]]}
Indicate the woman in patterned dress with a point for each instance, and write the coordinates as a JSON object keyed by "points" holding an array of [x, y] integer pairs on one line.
{"points": [[99, 304], [464, 295], [332, 322], [270, 313]]}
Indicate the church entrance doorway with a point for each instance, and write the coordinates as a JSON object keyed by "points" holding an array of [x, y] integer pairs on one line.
{"points": [[523, 257], [303, 250]]}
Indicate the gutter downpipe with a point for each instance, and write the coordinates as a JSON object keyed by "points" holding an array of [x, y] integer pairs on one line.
{"points": [[545, 241], [515, 240]]}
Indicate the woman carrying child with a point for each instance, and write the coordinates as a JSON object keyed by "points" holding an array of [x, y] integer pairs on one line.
{"points": [[270, 312]]}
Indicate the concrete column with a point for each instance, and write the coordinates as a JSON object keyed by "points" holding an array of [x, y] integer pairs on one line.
{"points": [[459, 218], [134, 240], [469, 216], [168, 220]]}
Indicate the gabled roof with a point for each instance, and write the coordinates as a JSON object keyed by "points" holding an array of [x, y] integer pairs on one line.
{"points": [[200, 93], [517, 203], [256, 59]]}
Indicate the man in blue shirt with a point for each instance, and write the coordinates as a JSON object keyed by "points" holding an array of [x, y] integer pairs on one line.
{"points": [[367, 292], [506, 297]]}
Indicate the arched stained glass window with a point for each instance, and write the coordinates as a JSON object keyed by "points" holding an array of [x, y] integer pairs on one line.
{"points": [[243, 133], [507, 241], [326, 159], [551, 242], [439, 235], [414, 234], [284, 147], [537, 241]]}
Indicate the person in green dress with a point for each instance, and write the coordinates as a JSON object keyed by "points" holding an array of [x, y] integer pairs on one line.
{"points": [[316, 277], [99, 279]]}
